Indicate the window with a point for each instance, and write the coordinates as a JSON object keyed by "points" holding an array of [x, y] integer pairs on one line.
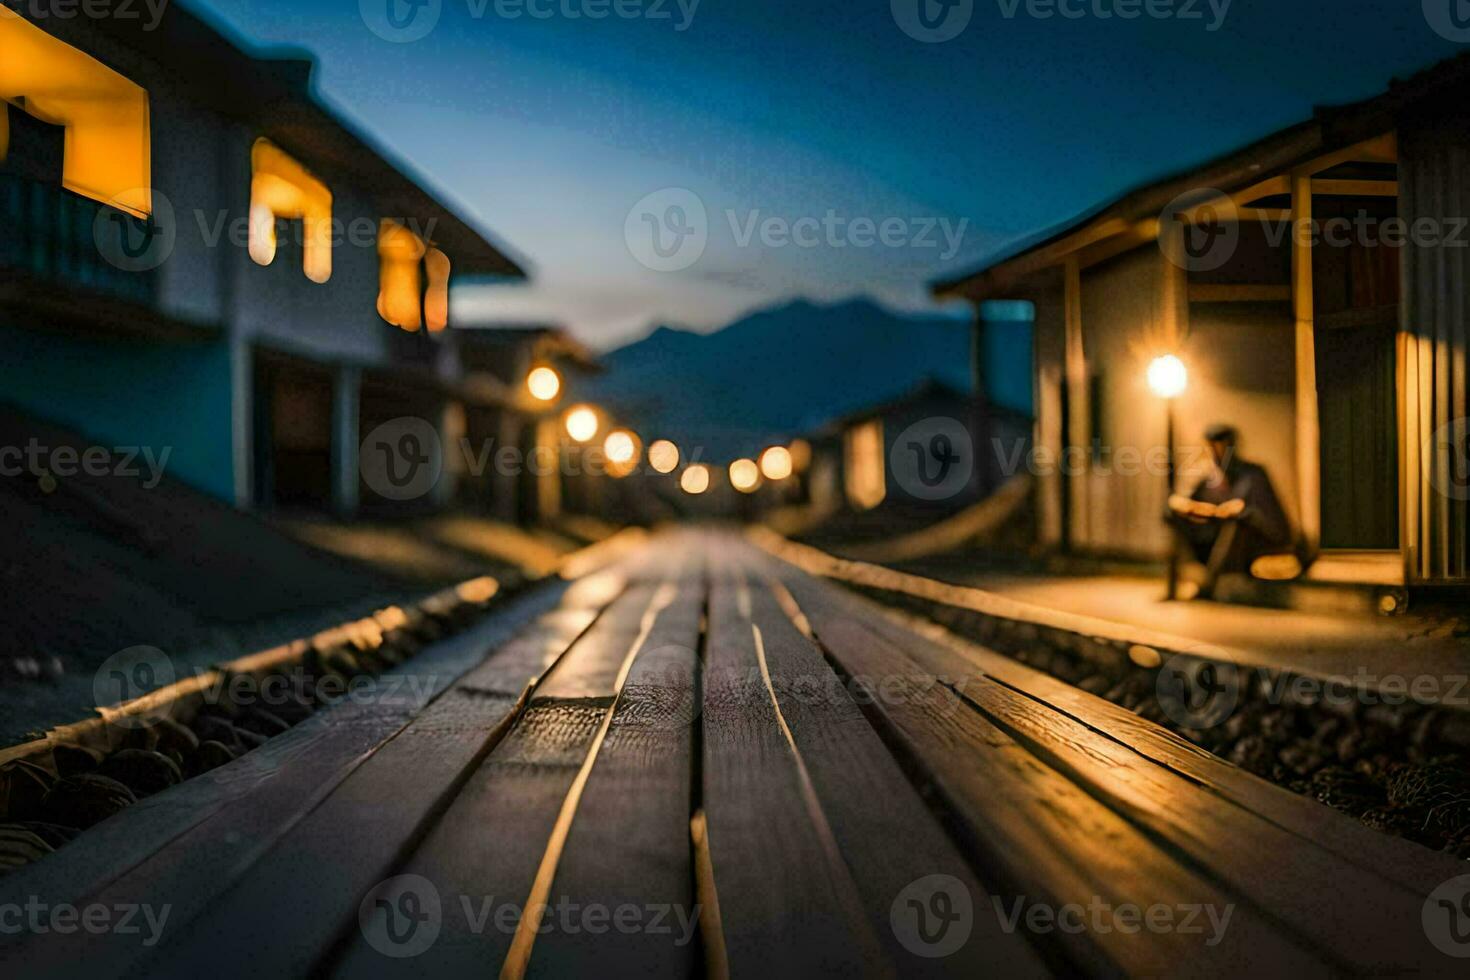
{"points": [[863, 448], [105, 116], [282, 188], [405, 263]]}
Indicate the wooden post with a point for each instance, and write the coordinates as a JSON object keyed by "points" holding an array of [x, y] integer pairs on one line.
{"points": [[1078, 427], [1308, 454]]}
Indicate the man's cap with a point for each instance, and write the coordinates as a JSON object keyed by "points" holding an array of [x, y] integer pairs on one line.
{"points": [[1220, 432]]}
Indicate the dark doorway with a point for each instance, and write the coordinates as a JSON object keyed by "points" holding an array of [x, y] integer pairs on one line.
{"points": [[293, 433]]}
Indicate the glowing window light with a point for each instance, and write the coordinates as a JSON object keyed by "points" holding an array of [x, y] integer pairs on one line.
{"points": [[282, 188], [776, 463], [582, 423], [695, 479], [663, 456], [1167, 376], [436, 297], [543, 383], [400, 254], [745, 476], [863, 473], [106, 154]]}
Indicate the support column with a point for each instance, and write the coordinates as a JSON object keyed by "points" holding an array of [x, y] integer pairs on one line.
{"points": [[1078, 406], [346, 401], [1308, 436]]}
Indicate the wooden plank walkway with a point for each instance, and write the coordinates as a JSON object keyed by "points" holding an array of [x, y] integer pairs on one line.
{"points": [[703, 761]]}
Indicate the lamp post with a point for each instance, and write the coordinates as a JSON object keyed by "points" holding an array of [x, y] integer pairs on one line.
{"points": [[1168, 378]]}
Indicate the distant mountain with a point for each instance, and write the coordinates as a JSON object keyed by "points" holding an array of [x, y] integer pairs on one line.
{"points": [[775, 374]]}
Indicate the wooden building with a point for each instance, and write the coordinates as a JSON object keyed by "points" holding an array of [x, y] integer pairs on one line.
{"points": [[1314, 285]]}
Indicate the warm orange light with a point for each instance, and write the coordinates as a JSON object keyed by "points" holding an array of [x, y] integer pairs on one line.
{"points": [[400, 254], [622, 449], [745, 476], [663, 456], [106, 152], [436, 297], [864, 476], [1167, 376], [543, 383], [695, 479], [282, 188], [582, 423], [801, 454], [776, 463]]}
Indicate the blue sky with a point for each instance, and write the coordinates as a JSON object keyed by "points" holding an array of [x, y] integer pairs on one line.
{"points": [[548, 130]]}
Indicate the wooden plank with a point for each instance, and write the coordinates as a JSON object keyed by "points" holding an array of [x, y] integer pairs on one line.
{"points": [[788, 904], [1409, 865], [868, 799], [192, 842], [1308, 435], [628, 851], [517, 795], [1039, 832], [1201, 292], [1355, 188]]}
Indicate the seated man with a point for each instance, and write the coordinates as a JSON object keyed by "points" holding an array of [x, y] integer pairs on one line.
{"points": [[1233, 516]]}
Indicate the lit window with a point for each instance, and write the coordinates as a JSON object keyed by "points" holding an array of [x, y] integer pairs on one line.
{"points": [[405, 262], [106, 155], [863, 445], [282, 188]]}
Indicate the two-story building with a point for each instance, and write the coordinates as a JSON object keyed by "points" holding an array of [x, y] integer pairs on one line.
{"points": [[196, 254]]}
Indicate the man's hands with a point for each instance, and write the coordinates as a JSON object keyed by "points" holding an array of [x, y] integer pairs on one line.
{"points": [[1201, 512]]}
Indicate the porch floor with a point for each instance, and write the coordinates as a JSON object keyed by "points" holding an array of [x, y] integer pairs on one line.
{"points": [[1316, 643]]}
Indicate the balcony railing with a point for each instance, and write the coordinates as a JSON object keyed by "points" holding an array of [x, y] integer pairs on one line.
{"points": [[55, 236]]}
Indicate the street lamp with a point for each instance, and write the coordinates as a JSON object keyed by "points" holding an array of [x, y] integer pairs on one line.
{"points": [[1168, 378], [543, 383], [581, 423]]}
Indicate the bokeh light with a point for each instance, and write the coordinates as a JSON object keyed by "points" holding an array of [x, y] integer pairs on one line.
{"points": [[582, 423], [745, 476], [663, 456], [695, 479], [622, 449], [776, 463], [543, 383]]}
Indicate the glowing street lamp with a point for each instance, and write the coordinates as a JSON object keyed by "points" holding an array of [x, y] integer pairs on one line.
{"points": [[745, 476], [695, 479], [1168, 378], [622, 448], [582, 423], [543, 383], [663, 456], [776, 463]]}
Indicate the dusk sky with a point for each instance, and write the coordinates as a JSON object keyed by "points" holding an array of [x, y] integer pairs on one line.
{"points": [[548, 130]]}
